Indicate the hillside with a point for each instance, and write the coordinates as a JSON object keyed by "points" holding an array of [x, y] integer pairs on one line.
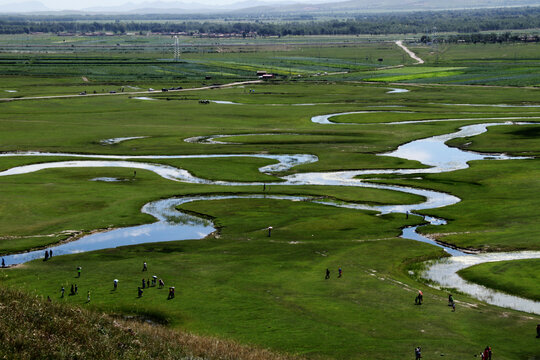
{"points": [[33, 328]]}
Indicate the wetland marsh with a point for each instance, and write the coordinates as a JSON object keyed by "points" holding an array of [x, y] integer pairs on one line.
{"points": [[338, 190]]}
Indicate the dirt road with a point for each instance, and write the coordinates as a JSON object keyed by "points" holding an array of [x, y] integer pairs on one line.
{"points": [[410, 53], [131, 92]]}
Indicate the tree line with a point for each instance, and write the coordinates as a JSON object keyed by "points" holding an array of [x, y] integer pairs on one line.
{"points": [[482, 38], [469, 21]]}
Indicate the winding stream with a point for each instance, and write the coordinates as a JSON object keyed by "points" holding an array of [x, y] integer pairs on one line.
{"points": [[174, 225]]}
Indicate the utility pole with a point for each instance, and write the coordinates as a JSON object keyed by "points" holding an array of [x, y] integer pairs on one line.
{"points": [[176, 49]]}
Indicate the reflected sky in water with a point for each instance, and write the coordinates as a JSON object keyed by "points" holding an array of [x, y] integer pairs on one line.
{"points": [[174, 225]]}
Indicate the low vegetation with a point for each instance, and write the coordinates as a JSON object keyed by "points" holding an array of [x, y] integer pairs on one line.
{"points": [[503, 276], [34, 328]]}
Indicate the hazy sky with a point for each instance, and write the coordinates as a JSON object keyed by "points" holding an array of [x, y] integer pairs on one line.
{"points": [[82, 4]]}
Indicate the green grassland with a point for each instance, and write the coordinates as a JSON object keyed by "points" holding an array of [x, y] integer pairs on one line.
{"points": [[54, 67], [522, 141], [487, 64], [113, 68], [413, 73], [37, 329], [239, 284], [502, 275], [259, 291]]}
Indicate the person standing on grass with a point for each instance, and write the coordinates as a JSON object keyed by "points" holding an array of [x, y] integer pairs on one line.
{"points": [[79, 271], [340, 272], [327, 274], [46, 256], [140, 291], [419, 298], [62, 291], [72, 292], [144, 267], [88, 297], [451, 302], [115, 284], [3, 263], [143, 283], [538, 331], [417, 353]]}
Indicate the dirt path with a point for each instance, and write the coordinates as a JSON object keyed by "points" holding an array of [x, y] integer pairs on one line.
{"points": [[410, 53], [131, 92]]}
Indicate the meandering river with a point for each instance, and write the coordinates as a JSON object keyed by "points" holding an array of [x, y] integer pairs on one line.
{"points": [[175, 225]]}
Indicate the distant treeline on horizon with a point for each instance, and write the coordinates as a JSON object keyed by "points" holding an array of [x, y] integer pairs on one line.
{"points": [[429, 22]]}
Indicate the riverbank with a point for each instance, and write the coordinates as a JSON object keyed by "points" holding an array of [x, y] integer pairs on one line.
{"points": [[270, 290], [501, 275]]}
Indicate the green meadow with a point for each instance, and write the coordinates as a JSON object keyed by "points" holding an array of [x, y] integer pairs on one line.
{"points": [[502, 276], [239, 284]]}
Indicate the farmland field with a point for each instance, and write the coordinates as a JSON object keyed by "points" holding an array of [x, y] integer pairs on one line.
{"points": [[242, 282]]}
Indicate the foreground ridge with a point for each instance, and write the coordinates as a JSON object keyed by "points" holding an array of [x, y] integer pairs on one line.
{"points": [[34, 328]]}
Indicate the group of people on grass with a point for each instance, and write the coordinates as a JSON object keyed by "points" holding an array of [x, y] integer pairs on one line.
{"points": [[486, 354], [74, 290], [147, 284], [74, 287], [340, 273], [48, 255], [420, 298]]}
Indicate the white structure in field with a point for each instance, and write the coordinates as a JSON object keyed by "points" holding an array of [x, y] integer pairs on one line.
{"points": [[176, 49]]}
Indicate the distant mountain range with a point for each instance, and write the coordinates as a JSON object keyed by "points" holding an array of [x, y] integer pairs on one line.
{"points": [[247, 7], [22, 7]]}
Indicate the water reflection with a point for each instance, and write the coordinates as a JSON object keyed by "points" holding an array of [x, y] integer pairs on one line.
{"points": [[120, 139], [444, 272], [397, 91], [173, 225]]}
